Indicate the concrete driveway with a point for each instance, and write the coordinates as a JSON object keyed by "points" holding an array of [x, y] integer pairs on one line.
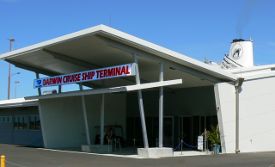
{"points": [[18, 156]]}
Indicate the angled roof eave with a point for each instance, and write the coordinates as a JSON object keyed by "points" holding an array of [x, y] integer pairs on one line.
{"points": [[168, 54], [19, 102]]}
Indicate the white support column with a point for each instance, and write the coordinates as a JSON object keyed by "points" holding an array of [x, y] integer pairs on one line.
{"points": [[161, 108], [141, 108], [102, 110], [86, 120]]}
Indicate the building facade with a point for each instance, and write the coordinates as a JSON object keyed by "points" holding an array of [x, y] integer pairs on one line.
{"points": [[165, 98]]}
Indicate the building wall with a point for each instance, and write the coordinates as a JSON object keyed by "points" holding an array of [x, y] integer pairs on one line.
{"points": [[257, 113], [11, 133], [63, 121], [225, 103]]}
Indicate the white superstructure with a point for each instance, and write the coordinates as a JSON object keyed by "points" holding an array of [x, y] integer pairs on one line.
{"points": [[240, 55]]}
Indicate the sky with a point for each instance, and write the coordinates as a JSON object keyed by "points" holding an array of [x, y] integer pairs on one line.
{"points": [[201, 29]]}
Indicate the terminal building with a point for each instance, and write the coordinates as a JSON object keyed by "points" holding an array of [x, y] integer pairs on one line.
{"points": [[135, 94]]}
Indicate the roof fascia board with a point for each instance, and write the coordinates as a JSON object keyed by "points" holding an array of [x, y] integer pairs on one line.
{"points": [[18, 105], [110, 90], [253, 69], [260, 76], [20, 102]]}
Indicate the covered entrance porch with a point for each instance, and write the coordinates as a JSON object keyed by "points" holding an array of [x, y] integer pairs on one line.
{"points": [[156, 98]]}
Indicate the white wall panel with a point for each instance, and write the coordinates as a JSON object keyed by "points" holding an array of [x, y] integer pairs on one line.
{"points": [[62, 122], [257, 115], [225, 102]]}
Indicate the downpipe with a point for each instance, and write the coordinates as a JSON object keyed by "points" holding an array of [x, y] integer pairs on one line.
{"points": [[238, 89]]}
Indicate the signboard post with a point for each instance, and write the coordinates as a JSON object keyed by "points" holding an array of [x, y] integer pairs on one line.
{"points": [[86, 76], [200, 143]]}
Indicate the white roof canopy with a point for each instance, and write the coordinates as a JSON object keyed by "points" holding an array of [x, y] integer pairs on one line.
{"points": [[20, 102], [102, 46]]}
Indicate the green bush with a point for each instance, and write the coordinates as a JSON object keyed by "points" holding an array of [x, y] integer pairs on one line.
{"points": [[213, 135]]}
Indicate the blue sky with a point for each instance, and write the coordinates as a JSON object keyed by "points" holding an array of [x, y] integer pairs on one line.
{"points": [[200, 29]]}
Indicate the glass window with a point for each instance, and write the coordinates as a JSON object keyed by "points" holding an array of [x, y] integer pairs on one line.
{"points": [[34, 122], [37, 122], [25, 122], [15, 122]]}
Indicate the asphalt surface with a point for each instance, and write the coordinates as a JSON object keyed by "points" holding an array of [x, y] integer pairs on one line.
{"points": [[18, 156]]}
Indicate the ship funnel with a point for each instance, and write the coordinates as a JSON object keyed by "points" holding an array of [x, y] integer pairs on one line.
{"points": [[240, 54]]}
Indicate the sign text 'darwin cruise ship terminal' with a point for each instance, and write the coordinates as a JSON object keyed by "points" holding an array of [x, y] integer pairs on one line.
{"points": [[85, 76]]}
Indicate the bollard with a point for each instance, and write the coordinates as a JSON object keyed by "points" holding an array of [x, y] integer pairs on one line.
{"points": [[181, 141], [3, 161]]}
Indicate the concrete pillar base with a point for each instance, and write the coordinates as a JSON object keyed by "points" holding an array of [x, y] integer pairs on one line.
{"points": [[155, 152], [97, 148]]}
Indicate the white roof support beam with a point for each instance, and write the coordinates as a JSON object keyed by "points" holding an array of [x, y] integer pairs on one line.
{"points": [[69, 59], [129, 88], [142, 54], [34, 69]]}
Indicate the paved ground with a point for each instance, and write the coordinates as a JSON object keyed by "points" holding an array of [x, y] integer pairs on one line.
{"points": [[31, 157]]}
